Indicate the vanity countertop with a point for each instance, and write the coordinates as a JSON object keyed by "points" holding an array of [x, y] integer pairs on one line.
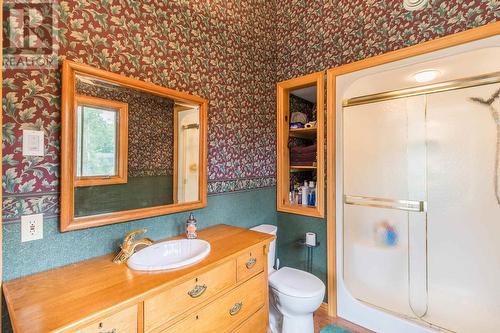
{"points": [[52, 300]]}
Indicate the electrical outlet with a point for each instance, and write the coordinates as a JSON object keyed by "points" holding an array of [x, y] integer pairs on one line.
{"points": [[31, 227]]}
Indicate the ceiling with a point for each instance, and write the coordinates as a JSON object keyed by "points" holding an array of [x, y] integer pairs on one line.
{"points": [[308, 93]]}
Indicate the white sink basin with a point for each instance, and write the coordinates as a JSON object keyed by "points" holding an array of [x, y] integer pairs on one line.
{"points": [[169, 255]]}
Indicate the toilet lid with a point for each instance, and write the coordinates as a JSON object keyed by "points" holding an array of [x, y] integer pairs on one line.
{"points": [[296, 283]]}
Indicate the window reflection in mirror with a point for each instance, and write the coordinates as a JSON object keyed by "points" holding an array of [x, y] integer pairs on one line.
{"points": [[101, 141], [96, 142]]}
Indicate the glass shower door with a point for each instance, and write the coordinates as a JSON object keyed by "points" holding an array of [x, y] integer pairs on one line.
{"points": [[384, 204], [422, 207], [463, 133]]}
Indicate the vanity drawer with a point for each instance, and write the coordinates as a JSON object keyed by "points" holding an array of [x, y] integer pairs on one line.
{"points": [[257, 323], [169, 304], [250, 263], [124, 321], [227, 312]]}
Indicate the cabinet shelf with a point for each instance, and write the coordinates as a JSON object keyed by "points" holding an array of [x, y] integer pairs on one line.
{"points": [[298, 168], [303, 133], [301, 210]]}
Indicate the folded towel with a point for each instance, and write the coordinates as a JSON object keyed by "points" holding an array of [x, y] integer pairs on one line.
{"points": [[310, 159], [302, 156], [303, 149], [296, 125]]}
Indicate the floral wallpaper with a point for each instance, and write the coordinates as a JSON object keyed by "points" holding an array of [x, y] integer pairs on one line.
{"points": [[150, 148], [229, 51], [218, 49], [320, 34]]}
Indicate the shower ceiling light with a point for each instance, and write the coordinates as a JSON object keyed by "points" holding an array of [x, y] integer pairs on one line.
{"points": [[414, 4], [426, 76]]}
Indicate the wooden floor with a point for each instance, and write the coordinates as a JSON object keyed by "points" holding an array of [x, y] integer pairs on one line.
{"points": [[321, 320]]}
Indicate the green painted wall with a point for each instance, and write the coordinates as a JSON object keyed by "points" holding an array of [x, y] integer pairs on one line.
{"points": [[138, 192], [244, 209], [292, 228]]}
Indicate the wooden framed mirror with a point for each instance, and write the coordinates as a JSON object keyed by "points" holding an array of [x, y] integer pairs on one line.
{"points": [[129, 149]]}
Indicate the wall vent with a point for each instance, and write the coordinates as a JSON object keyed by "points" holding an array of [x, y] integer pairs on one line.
{"points": [[415, 4]]}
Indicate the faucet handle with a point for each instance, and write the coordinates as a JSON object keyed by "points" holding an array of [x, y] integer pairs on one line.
{"points": [[128, 245], [131, 235]]}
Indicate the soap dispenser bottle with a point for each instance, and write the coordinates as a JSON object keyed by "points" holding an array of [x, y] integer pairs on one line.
{"points": [[191, 227]]}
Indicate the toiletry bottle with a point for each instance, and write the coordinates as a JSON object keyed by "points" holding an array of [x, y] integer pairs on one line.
{"points": [[191, 227], [299, 202], [304, 193], [295, 194], [313, 189], [291, 195], [315, 193], [311, 196]]}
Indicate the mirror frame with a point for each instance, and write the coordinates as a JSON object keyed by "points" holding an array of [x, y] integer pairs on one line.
{"points": [[68, 141]]}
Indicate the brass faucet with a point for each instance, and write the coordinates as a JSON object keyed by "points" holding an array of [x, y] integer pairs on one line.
{"points": [[128, 245]]}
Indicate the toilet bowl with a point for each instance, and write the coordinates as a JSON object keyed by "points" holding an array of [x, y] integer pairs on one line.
{"points": [[294, 294]]}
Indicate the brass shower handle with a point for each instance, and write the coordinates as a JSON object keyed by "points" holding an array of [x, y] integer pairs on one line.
{"points": [[408, 205]]}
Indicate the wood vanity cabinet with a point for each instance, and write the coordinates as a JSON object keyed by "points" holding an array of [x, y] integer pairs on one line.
{"points": [[226, 292], [227, 312]]}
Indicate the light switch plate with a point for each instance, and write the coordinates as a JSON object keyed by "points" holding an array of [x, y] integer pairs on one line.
{"points": [[31, 227], [33, 143]]}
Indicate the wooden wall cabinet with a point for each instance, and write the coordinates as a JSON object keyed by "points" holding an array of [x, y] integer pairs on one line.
{"points": [[286, 171]]}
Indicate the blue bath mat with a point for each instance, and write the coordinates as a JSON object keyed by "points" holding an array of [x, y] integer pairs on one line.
{"points": [[334, 329]]}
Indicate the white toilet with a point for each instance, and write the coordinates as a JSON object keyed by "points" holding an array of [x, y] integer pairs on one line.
{"points": [[293, 294]]}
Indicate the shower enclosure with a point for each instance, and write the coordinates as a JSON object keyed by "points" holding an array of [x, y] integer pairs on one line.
{"points": [[421, 199]]}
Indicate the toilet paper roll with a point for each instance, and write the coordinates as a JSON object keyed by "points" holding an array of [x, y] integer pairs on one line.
{"points": [[310, 124], [310, 238]]}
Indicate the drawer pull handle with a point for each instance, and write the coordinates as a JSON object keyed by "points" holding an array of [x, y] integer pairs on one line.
{"points": [[250, 263], [235, 308], [197, 291]]}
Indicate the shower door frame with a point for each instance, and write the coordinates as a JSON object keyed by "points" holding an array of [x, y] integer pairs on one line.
{"points": [[467, 36]]}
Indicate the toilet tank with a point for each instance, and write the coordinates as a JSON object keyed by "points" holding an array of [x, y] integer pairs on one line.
{"points": [[269, 229]]}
